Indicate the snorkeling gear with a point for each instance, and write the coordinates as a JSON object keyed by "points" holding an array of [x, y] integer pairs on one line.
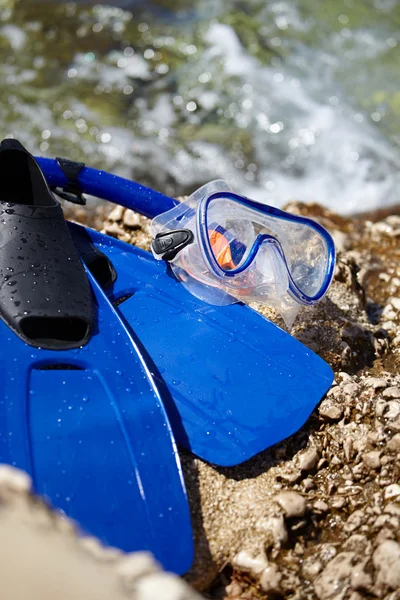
{"points": [[233, 383], [242, 250], [79, 408]]}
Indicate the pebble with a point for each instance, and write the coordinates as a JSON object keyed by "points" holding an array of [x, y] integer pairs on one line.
{"points": [[172, 588], [135, 565], [392, 491], [360, 579], [116, 214], [391, 392], [321, 506], [271, 579], [386, 559], [330, 411], [357, 518], [292, 503], [380, 407], [350, 389], [311, 567], [275, 529], [372, 459], [131, 219], [395, 302], [115, 229], [392, 509], [233, 590], [255, 565], [309, 459], [376, 383], [308, 484], [393, 445], [393, 409], [334, 579]]}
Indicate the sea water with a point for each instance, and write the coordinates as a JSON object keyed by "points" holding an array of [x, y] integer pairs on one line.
{"points": [[286, 100]]}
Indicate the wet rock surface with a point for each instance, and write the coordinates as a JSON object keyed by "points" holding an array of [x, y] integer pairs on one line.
{"points": [[317, 516]]}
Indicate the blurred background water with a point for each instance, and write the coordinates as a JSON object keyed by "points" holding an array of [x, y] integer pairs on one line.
{"points": [[283, 98]]}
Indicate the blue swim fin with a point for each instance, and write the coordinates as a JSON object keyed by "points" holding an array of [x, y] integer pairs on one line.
{"points": [[89, 427], [79, 409], [233, 382]]}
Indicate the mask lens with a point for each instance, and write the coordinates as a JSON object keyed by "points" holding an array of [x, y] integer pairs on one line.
{"points": [[230, 232], [233, 230]]}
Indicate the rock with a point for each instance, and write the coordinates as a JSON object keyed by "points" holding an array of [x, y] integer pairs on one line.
{"points": [[275, 528], [335, 578], [393, 409], [376, 383], [116, 214], [245, 562], [165, 586], [57, 563], [372, 459], [350, 389], [311, 567], [233, 590], [392, 491], [292, 503], [395, 302], [391, 392], [380, 407], [355, 520], [321, 506], [386, 560], [308, 484], [392, 509], [357, 543], [117, 231], [271, 579], [132, 219], [360, 579], [330, 410], [132, 566], [308, 459]]}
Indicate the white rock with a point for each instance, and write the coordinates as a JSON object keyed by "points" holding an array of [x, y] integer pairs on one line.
{"points": [[355, 520], [392, 491], [393, 445], [391, 392], [255, 565], [386, 559], [372, 459], [271, 579], [275, 527], [135, 565], [131, 219], [165, 586], [376, 383], [13, 480], [330, 410], [360, 579], [393, 409], [308, 459], [335, 578], [350, 389], [116, 214], [292, 503], [321, 506], [395, 302], [311, 567]]}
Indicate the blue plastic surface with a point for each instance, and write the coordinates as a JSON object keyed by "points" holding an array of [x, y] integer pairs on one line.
{"points": [[110, 187], [96, 439], [233, 382]]}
